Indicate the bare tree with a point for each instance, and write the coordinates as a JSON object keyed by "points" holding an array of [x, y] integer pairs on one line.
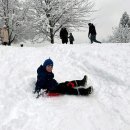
{"points": [[49, 16]]}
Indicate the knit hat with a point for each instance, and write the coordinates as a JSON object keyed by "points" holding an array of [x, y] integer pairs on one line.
{"points": [[47, 62]]}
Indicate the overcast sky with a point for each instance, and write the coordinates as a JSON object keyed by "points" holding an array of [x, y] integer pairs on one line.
{"points": [[108, 16]]}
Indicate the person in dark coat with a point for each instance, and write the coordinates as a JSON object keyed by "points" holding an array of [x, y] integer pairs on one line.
{"points": [[46, 81], [92, 33], [71, 38], [64, 35]]}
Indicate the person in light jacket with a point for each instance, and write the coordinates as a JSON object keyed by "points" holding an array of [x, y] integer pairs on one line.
{"points": [[4, 35]]}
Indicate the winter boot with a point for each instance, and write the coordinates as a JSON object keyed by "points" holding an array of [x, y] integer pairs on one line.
{"points": [[85, 91], [90, 89], [82, 82]]}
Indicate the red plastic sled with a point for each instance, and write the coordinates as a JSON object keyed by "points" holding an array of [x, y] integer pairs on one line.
{"points": [[53, 94]]}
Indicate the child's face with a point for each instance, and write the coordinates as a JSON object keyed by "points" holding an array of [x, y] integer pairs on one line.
{"points": [[49, 68]]}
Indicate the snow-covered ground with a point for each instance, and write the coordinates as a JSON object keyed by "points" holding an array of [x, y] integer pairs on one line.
{"points": [[107, 67]]}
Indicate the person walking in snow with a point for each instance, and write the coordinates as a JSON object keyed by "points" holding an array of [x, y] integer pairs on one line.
{"points": [[71, 38], [4, 35], [46, 81], [92, 33], [64, 35]]}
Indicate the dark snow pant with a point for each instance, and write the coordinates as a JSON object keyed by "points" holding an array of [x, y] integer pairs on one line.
{"points": [[64, 40], [71, 42], [93, 39], [67, 87], [71, 88]]}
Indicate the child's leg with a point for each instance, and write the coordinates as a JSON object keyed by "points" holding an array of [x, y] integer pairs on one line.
{"points": [[64, 89], [75, 83], [81, 82], [71, 91]]}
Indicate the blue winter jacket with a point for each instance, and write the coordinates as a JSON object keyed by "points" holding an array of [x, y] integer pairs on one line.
{"points": [[45, 79]]}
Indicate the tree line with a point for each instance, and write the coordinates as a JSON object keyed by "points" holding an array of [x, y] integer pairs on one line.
{"points": [[42, 19]]}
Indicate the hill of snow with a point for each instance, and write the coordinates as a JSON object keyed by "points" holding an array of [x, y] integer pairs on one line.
{"points": [[107, 67]]}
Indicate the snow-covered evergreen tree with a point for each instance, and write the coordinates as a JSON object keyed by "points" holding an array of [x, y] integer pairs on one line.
{"points": [[125, 20], [121, 34], [49, 16]]}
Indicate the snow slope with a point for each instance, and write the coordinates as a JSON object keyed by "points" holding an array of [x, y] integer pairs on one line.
{"points": [[107, 67]]}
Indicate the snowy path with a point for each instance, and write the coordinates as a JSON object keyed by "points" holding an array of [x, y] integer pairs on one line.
{"points": [[108, 70]]}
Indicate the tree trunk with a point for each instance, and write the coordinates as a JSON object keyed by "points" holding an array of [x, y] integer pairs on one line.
{"points": [[52, 35]]}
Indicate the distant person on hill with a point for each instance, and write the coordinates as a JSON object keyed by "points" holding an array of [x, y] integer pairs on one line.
{"points": [[64, 35], [46, 81], [71, 38], [92, 33]]}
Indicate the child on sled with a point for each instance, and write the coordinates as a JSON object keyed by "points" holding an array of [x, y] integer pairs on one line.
{"points": [[46, 81]]}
